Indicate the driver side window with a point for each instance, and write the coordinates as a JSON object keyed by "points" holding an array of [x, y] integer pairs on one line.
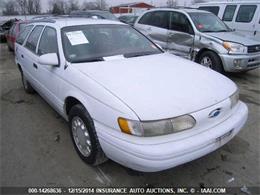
{"points": [[48, 42], [179, 22]]}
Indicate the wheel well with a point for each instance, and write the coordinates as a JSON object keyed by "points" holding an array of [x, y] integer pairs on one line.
{"points": [[19, 67], [201, 52], [70, 102]]}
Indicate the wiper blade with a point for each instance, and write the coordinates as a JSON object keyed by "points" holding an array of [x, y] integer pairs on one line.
{"points": [[88, 60], [131, 55]]}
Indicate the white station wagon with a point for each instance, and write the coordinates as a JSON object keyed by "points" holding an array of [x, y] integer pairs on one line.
{"points": [[124, 98]]}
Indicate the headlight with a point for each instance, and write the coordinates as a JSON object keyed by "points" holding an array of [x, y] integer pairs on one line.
{"points": [[234, 98], [235, 48], [155, 128]]}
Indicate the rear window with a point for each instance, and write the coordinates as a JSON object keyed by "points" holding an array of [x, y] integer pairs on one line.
{"points": [[22, 36], [212, 9], [22, 26], [246, 13], [229, 13]]}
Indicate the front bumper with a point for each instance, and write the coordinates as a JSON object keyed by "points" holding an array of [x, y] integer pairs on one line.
{"points": [[143, 154], [238, 63]]}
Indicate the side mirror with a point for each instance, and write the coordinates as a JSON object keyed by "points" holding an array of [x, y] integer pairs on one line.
{"points": [[50, 59]]}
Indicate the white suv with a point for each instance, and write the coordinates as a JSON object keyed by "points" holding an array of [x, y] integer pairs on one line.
{"points": [[124, 97]]}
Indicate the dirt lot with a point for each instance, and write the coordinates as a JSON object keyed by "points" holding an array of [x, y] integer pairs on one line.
{"points": [[36, 148]]}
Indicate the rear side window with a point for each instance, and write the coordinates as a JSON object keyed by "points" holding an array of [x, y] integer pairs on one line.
{"points": [[212, 9], [146, 19], [22, 36], [229, 12], [50, 46], [157, 18], [246, 13], [33, 38]]}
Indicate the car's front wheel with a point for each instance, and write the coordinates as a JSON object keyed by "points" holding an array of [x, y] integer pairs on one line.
{"points": [[84, 136], [211, 60]]}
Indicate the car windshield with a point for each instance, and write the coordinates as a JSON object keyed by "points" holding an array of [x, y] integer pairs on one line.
{"points": [[208, 22], [89, 43]]}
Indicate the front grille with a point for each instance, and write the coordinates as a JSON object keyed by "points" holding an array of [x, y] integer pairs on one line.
{"points": [[253, 48]]}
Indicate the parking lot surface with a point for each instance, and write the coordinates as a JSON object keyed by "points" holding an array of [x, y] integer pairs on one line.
{"points": [[36, 148]]}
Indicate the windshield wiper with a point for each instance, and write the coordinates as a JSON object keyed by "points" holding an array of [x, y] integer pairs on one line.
{"points": [[212, 31], [137, 54], [94, 59], [222, 31]]}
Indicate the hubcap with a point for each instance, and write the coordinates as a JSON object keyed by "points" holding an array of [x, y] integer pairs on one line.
{"points": [[81, 136], [206, 61]]}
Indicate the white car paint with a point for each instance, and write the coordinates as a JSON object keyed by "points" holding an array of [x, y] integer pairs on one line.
{"points": [[142, 88]]}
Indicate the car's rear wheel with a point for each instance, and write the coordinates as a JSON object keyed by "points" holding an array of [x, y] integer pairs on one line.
{"points": [[211, 60], [26, 85], [84, 136]]}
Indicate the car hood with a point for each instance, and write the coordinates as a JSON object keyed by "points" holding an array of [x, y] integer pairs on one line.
{"points": [[160, 86], [234, 37]]}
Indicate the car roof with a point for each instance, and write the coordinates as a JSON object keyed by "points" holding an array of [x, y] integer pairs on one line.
{"points": [[183, 10], [229, 2], [70, 21]]}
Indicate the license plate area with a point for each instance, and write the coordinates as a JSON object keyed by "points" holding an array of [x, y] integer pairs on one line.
{"points": [[226, 135]]}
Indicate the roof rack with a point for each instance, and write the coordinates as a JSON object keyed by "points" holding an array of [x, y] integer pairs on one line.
{"points": [[42, 20]]}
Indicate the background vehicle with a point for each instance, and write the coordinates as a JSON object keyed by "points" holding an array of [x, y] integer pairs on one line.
{"points": [[4, 28], [128, 19], [100, 76], [200, 36], [94, 13], [243, 16], [13, 33]]}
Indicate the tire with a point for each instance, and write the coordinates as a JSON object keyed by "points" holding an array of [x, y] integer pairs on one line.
{"points": [[26, 85], [214, 61], [84, 136], [10, 49]]}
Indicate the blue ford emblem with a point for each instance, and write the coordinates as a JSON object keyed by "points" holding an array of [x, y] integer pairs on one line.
{"points": [[215, 113]]}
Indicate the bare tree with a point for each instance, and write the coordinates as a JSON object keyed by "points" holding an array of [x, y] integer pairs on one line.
{"points": [[102, 4], [22, 5], [92, 5], [57, 7], [89, 6], [29, 6], [171, 3], [10, 8], [72, 6]]}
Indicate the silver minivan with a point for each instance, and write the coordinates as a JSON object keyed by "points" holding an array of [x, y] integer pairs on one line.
{"points": [[202, 37]]}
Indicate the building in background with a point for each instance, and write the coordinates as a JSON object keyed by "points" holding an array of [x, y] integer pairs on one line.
{"points": [[133, 8]]}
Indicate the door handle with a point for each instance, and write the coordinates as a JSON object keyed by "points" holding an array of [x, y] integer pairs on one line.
{"points": [[22, 56], [35, 66]]}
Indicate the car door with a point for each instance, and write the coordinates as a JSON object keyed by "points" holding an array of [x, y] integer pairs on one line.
{"points": [[155, 25], [246, 19], [19, 50], [49, 77], [180, 35], [30, 57]]}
